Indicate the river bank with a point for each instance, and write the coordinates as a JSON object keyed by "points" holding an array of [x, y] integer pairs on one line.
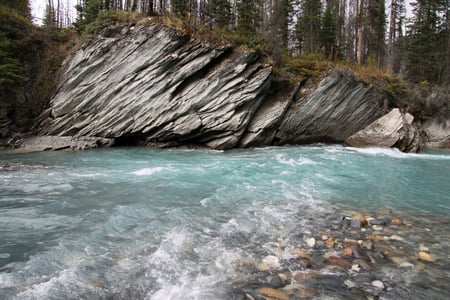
{"points": [[343, 254]]}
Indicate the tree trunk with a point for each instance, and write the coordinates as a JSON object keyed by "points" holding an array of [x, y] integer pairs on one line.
{"points": [[360, 49]]}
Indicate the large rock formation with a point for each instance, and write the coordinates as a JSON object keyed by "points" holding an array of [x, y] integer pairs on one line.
{"points": [[394, 129], [154, 85]]}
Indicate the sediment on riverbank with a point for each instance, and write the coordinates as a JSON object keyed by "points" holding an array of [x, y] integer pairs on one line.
{"points": [[344, 254]]}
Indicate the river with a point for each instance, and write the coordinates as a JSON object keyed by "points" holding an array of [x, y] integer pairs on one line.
{"points": [[137, 223]]}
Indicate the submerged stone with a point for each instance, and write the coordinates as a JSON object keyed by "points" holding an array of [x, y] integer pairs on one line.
{"points": [[426, 257]]}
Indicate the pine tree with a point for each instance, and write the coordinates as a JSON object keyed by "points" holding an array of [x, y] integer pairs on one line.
{"points": [[20, 6], [308, 26], [248, 17], [328, 33], [88, 11], [221, 13], [426, 46], [179, 7], [376, 19]]}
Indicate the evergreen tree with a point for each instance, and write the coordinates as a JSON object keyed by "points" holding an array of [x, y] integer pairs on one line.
{"points": [[20, 6], [179, 7], [328, 33], [248, 17], [426, 46], [308, 26], [376, 31], [221, 12], [88, 11]]}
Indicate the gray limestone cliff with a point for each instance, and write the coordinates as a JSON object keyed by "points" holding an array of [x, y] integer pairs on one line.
{"points": [[153, 85]]}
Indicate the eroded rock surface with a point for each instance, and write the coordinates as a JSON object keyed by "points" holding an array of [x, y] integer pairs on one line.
{"points": [[154, 85], [394, 129]]}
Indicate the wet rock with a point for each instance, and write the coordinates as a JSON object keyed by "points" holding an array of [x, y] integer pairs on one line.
{"points": [[376, 237], [300, 291], [351, 249], [381, 222], [304, 262], [273, 293], [394, 129], [396, 238], [339, 261], [311, 242], [359, 217], [269, 262], [349, 284], [397, 222], [53, 143], [378, 284], [362, 263], [301, 253], [355, 223], [285, 277], [426, 257], [406, 265], [377, 227], [368, 244], [423, 248], [356, 268], [330, 242], [296, 263]]}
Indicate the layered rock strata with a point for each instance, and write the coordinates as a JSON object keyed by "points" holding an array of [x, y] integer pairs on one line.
{"points": [[154, 85]]}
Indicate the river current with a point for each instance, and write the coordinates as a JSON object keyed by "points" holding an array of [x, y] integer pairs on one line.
{"points": [[137, 223]]}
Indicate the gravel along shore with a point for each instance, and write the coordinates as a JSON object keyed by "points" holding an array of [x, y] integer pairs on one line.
{"points": [[353, 255]]}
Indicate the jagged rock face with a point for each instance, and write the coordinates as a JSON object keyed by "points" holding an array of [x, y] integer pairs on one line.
{"points": [[394, 129], [153, 85], [157, 84], [437, 131], [331, 112]]}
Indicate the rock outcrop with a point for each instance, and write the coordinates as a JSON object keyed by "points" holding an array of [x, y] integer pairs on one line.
{"points": [[44, 143], [437, 133], [394, 129], [154, 85]]}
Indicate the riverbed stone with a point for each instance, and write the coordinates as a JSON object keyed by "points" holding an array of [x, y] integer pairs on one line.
{"points": [[311, 242], [397, 221], [361, 218], [272, 293], [339, 261], [426, 256], [378, 284]]}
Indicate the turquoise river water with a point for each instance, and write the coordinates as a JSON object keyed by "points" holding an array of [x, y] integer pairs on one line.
{"points": [[137, 223]]}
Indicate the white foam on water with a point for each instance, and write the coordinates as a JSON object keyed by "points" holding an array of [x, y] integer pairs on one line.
{"points": [[5, 255], [65, 282], [88, 175], [301, 161], [396, 153], [150, 171]]}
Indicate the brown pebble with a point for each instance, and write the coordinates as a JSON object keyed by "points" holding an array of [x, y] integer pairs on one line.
{"points": [[375, 237], [397, 221], [273, 293], [301, 253], [330, 242], [306, 275], [426, 257], [339, 261], [367, 245], [358, 216], [350, 248], [304, 262]]}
